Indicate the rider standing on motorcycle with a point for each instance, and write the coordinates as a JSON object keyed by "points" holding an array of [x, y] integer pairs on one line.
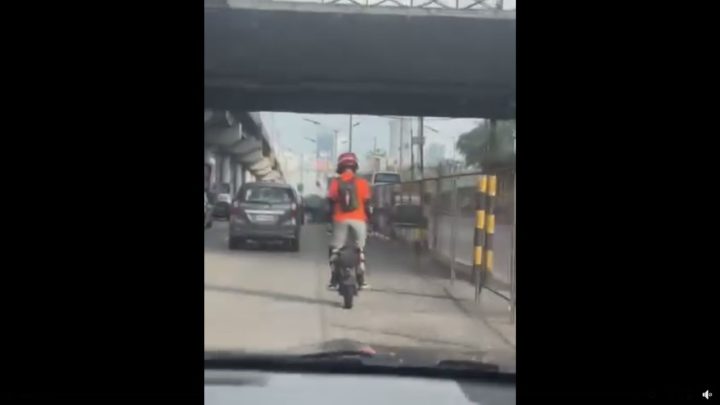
{"points": [[349, 197]]}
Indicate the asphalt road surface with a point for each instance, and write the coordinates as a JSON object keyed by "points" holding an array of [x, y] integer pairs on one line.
{"points": [[267, 299]]}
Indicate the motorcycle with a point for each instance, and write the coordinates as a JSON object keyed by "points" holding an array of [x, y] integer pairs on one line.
{"points": [[347, 272]]}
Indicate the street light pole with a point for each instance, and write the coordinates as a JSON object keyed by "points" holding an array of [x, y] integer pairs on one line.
{"points": [[302, 170], [336, 131], [350, 125], [335, 144], [401, 146], [422, 147], [317, 157], [412, 154]]}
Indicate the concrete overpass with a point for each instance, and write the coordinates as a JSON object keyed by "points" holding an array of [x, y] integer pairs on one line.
{"points": [[317, 58], [237, 145]]}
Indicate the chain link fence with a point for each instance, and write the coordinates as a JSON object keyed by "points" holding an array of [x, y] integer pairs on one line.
{"points": [[438, 215]]}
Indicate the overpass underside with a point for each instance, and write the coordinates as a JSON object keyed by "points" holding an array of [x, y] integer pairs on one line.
{"points": [[311, 58], [238, 144]]}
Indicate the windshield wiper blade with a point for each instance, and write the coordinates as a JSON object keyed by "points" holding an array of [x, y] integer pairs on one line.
{"points": [[468, 365], [331, 354]]}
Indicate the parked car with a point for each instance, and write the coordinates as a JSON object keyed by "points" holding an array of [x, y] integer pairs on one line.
{"points": [[208, 212], [265, 211]]}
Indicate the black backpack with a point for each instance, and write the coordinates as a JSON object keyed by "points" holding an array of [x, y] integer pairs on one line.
{"points": [[347, 195]]}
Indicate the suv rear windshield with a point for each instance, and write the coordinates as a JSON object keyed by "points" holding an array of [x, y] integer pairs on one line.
{"points": [[267, 194]]}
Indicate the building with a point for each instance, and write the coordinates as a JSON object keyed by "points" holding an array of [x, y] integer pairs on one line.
{"points": [[400, 134], [374, 162], [325, 152], [301, 169], [435, 154]]}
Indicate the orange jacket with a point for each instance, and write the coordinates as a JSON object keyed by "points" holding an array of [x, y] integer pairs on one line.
{"points": [[363, 190]]}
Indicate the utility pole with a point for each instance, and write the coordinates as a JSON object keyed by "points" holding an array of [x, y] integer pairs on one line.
{"points": [[317, 155], [317, 159], [334, 148], [422, 147], [400, 145], [412, 155], [302, 169], [350, 128]]}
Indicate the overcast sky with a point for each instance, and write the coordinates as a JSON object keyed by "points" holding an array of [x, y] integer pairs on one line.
{"points": [[290, 130]]}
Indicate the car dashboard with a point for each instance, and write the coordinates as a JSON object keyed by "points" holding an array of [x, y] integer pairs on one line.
{"points": [[270, 387]]}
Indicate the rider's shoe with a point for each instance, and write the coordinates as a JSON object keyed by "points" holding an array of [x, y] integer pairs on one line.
{"points": [[363, 274], [334, 282]]}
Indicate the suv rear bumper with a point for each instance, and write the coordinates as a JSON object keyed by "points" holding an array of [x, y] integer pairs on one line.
{"points": [[264, 232]]}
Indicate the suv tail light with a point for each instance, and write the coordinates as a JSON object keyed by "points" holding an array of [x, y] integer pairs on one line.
{"points": [[235, 209]]}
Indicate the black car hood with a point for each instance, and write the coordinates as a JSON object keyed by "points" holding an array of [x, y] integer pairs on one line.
{"points": [[400, 355]]}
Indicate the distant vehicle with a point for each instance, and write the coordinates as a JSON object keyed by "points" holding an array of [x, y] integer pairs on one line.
{"points": [[315, 208], [385, 178], [208, 212], [382, 178], [221, 208], [263, 211]]}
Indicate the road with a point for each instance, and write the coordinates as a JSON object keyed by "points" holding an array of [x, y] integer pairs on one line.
{"points": [[268, 300]]}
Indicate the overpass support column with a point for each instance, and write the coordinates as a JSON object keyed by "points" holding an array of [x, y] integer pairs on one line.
{"points": [[211, 159], [237, 176], [233, 177], [224, 169]]}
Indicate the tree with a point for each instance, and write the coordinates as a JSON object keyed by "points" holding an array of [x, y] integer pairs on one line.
{"points": [[481, 148]]}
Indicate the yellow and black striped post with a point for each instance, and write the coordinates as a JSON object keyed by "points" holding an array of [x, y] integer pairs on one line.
{"points": [[490, 228], [479, 236]]}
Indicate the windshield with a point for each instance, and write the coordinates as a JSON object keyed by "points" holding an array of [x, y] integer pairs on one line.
{"points": [[275, 195], [269, 284], [417, 267]]}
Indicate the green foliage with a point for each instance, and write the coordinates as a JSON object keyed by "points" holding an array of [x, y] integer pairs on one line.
{"points": [[489, 151]]}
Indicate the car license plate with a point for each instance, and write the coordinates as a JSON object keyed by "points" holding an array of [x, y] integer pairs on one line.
{"points": [[265, 218]]}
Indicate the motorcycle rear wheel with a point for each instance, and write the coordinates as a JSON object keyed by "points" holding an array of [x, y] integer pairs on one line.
{"points": [[348, 295]]}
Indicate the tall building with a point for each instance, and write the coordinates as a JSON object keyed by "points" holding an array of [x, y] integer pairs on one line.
{"points": [[400, 134], [374, 161], [435, 154], [298, 168], [325, 151]]}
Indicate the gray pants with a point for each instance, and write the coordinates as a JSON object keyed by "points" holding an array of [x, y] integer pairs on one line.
{"points": [[339, 237], [340, 233]]}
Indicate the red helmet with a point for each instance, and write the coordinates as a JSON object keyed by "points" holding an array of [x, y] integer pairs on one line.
{"points": [[347, 160]]}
